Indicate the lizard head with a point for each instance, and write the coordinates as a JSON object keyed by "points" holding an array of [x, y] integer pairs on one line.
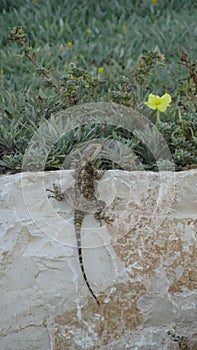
{"points": [[91, 151]]}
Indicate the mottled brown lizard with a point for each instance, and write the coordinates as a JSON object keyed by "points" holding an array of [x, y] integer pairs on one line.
{"points": [[84, 198]]}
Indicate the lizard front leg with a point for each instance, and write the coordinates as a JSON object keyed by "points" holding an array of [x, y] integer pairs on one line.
{"points": [[98, 174], [56, 193]]}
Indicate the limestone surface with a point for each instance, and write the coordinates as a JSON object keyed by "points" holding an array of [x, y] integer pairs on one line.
{"points": [[141, 266]]}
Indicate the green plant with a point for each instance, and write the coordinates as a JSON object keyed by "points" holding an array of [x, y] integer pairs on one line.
{"points": [[41, 75]]}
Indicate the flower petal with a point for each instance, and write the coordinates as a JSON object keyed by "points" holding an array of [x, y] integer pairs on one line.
{"points": [[167, 98], [157, 102]]}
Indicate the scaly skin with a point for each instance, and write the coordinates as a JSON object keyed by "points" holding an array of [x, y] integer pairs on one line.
{"points": [[85, 175]]}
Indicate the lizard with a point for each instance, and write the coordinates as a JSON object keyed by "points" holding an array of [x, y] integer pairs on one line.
{"points": [[84, 198], [184, 342]]}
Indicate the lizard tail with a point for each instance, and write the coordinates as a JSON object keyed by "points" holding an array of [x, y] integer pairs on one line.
{"points": [[78, 219]]}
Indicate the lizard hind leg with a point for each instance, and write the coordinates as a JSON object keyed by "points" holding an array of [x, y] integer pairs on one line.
{"points": [[101, 214]]}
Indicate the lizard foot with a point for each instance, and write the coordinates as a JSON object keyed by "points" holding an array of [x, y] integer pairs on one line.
{"points": [[56, 193], [101, 213]]}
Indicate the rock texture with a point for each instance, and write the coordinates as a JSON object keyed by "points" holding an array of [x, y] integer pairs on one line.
{"points": [[142, 267]]}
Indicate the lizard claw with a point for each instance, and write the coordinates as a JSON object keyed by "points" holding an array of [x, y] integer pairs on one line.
{"points": [[56, 193]]}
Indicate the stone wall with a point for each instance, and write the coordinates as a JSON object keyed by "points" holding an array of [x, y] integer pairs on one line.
{"points": [[141, 266]]}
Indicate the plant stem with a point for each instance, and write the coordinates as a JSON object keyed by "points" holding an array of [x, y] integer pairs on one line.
{"points": [[158, 116]]}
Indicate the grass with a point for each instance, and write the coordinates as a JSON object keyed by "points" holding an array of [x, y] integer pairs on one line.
{"points": [[112, 35]]}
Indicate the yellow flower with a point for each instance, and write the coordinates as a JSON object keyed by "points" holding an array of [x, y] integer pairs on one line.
{"points": [[69, 44], [161, 57], [100, 70], [2, 72], [154, 1], [159, 103], [88, 31], [124, 27]]}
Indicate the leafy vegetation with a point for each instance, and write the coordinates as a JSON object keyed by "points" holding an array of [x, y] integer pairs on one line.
{"points": [[55, 56]]}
